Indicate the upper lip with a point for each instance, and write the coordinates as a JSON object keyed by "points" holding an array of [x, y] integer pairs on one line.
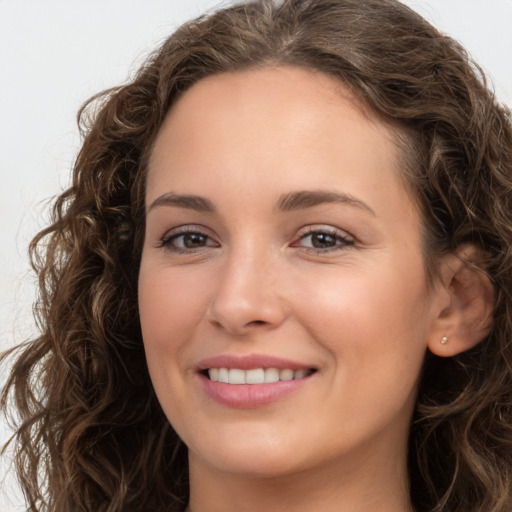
{"points": [[250, 362]]}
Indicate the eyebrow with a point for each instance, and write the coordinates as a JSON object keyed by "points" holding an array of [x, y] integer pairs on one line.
{"points": [[310, 198], [288, 202], [197, 203]]}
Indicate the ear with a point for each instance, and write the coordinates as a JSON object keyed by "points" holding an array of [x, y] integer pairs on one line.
{"points": [[464, 316]]}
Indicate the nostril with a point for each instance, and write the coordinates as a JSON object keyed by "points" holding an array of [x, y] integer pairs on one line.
{"points": [[238, 315]]}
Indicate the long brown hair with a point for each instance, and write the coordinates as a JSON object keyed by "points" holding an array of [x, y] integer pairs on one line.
{"points": [[90, 433]]}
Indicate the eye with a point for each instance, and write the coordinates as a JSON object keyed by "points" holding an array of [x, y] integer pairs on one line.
{"points": [[186, 240], [323, 239]]}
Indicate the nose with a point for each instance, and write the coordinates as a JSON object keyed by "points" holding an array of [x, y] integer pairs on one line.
{"points": [[247, 294]]}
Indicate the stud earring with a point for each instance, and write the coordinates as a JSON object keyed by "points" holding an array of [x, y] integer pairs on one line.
{"points": [[444, 340]]}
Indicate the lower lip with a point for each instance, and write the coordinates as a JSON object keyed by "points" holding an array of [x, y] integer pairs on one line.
{"points": [[249, 396]]}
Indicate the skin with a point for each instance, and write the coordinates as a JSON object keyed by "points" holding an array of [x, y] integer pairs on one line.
{"points": [[357, 309]]}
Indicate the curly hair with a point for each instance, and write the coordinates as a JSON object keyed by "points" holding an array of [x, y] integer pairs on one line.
{"points": [[90, 434]]}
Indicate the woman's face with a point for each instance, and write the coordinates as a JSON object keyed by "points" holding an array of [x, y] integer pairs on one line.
{"points": [[281, 243]]}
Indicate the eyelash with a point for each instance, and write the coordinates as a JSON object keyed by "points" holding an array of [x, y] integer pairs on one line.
{"points": [[167, 240], [341, 241]]}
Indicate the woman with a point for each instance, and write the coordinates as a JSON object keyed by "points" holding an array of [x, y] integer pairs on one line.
{"points": [[280, 280]]}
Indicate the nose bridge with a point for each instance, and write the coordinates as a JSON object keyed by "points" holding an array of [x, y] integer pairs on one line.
{"points": [[245, 295]]}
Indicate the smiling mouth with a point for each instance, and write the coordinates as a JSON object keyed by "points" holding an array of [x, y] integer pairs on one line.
{"points": [[255, 375]]}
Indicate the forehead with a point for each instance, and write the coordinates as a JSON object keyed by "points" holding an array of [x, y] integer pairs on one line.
{"points": [[277, 116]]}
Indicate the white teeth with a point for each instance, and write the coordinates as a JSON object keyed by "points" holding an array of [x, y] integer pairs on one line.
{"points": [[286, 375], [236, 376], [223, 375], [299, 374], [254, 376], [271, 375]]}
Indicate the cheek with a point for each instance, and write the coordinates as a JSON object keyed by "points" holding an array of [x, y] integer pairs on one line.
{"points": [[368, 296], [371, 318], [170, 304], [170, 307]]}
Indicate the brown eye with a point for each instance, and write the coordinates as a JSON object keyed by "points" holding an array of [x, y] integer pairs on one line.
{"points": [[191, 240], [324, 240], [187, 241]]}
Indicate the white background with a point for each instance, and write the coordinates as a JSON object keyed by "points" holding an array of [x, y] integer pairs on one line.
{"points": [[54, 54]]}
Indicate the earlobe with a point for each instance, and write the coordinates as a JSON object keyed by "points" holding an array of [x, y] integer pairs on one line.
{"points": [[465, 316]]}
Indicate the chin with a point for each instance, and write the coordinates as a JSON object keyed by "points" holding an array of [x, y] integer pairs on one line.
{"points": [[255, 455]]}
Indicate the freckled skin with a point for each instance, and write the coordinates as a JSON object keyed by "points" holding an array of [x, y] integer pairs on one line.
{"points": [[359, 312]]}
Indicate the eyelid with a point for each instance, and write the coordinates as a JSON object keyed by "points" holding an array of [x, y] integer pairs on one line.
{"points": [[346, 238], [164, 241], [324, 228]]}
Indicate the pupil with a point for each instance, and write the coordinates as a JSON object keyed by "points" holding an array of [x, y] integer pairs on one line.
{"points": [[322, 240], [194, 240]]}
